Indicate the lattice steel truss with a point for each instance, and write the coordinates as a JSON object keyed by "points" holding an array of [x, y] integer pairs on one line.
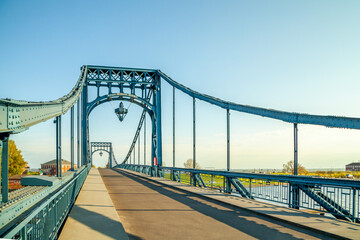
{"points": [[139, 86], [106, 147]]}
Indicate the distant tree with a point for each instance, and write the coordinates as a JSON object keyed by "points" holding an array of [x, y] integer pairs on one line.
{"points": [[189, 164], [16, 160], [289, 168], [93, 166]]}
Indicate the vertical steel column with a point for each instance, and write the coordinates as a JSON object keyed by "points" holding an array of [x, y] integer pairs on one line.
{"points": [[88, 141], [294, 187], [1, 152], [173, 175], [194, 141], [5, 169], [158, 121], [228, 184], [110, 157], [58, 146], [153, 136], [295, 149], [139, 149], [72, 138], [228, 139], [173, 126], [84, 123], [145, 140], [78, 130]]}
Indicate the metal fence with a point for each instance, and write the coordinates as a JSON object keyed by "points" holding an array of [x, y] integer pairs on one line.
{"points": [[45, 221], [339, 197]]}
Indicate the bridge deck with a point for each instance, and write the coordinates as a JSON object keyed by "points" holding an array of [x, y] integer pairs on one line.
{"points": [[303, 219], [93, 216], [151, 210]]}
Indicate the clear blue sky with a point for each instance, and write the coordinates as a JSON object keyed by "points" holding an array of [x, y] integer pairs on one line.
{"points": [[298, 56]]}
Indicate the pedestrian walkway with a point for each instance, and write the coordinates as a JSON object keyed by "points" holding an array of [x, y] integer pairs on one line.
{"points": [[149, 210], [325, 225], [93, 216]]}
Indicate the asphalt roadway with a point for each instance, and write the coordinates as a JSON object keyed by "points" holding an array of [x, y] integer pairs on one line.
{"points": [[150, 210]]}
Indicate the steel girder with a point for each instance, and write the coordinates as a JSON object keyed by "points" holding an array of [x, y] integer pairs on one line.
{"points": [[17, 116], [128, 84]]}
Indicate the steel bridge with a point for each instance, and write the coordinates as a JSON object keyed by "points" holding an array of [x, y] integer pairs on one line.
{"points": [[38, 210]]}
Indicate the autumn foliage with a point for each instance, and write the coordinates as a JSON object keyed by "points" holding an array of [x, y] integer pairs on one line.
{"points": [[16, 160], [289, 168], [189, 164]]}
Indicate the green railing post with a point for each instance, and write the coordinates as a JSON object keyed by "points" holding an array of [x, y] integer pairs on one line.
{"points": [[5, 168]]}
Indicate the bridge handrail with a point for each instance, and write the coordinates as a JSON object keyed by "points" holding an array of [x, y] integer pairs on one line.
{"points": [[271, 177], [291, 117], [66, 195], [20, 115]]}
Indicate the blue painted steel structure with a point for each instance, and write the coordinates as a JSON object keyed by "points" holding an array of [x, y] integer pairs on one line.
{"points": [[143, 88], [106, 147], [139, 86]]}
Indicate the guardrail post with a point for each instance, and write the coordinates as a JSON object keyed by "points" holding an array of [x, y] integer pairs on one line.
{"points": [[354, 205], [5, 167], [227, 185], [58, 146], [295, 196], [250, 180]]}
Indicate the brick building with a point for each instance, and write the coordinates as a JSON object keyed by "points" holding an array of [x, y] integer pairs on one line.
{"points": [[49, 168], [355, 166]]}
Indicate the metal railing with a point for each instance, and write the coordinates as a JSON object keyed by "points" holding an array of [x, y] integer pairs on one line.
{"points": [[46, 219], [339, 197]]}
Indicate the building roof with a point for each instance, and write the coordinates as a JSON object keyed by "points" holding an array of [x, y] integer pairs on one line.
{"points": [[63, 162], [17, 177], [353, 164]]}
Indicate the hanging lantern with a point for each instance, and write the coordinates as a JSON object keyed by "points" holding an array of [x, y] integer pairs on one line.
{"points": [[121, 112], [101, 153]]}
